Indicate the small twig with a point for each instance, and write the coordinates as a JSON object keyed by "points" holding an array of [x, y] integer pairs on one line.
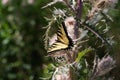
{"points": [[107, 16], [53, 78], [90, 28], [51, 3], [79, 9], [67, 3], [98, 35]]}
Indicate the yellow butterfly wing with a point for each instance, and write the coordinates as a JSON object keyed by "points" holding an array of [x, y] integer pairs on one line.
{"points": [[63, 40]]}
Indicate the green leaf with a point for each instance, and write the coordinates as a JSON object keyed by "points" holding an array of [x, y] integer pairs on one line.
{"points": [[82, 53]]}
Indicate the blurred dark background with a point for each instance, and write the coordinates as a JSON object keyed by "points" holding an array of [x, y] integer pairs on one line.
{"points": [[22, 53]]}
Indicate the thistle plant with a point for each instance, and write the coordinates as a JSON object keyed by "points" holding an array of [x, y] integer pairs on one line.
{"points": [[87, 23]]}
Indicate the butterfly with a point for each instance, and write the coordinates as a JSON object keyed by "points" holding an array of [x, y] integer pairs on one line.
{"points": [[63, 42]]}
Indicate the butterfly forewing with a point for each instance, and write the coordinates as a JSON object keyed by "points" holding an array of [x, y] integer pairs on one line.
{"points": [[62, 35]]}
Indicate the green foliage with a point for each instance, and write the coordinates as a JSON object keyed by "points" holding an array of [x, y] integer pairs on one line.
{"points": [[21, 40], [82, 53]]}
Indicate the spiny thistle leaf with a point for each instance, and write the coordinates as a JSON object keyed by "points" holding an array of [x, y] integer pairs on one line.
{"points": [[82, 53]]}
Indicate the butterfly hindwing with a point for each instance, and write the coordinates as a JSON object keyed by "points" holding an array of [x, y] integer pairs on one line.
{"points": [[57, 46], [63, 40]]}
